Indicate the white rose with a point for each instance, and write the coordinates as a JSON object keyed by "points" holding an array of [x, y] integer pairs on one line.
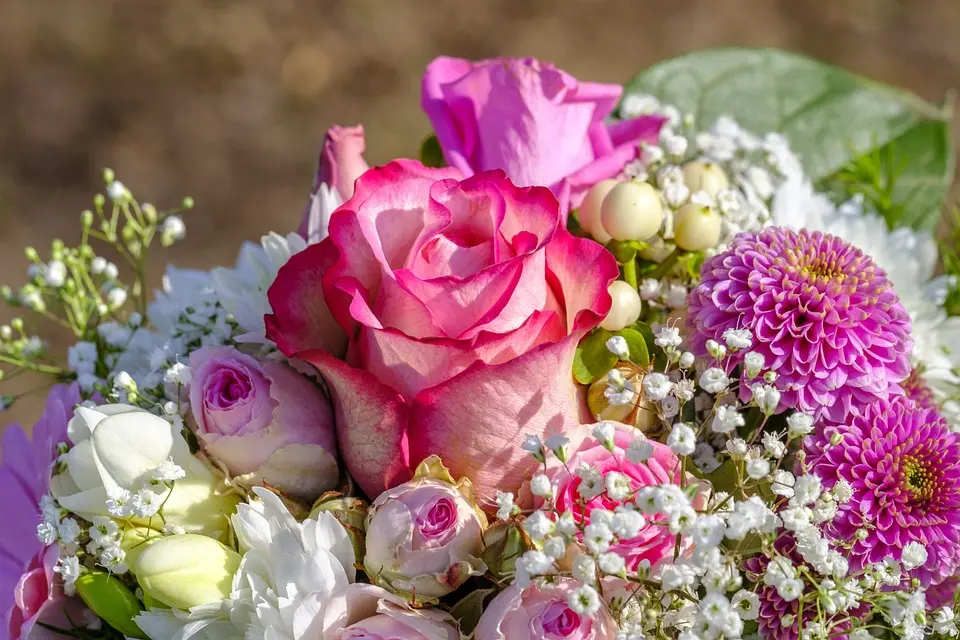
{"points": [[117, 446]]}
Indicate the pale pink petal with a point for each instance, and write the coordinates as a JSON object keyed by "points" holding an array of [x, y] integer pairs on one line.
{"points": [[477, 420], [371, 423], [409, 365]]}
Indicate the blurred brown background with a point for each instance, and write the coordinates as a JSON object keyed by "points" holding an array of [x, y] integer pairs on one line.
{"points": [[227, 101]]}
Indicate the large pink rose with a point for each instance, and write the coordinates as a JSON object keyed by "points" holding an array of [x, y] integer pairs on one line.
{"points": [[464, 302], [541, 612], [539, 124]]}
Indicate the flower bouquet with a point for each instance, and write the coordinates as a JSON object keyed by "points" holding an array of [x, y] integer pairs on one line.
{"points": [[667, 361]]}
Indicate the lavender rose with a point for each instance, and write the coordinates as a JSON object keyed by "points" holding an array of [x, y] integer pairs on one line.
{"points": [[263, 421], [425, 536]]}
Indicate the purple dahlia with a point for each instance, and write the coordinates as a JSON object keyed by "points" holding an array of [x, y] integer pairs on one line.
{"points": [[824, 316], [903, 464]]}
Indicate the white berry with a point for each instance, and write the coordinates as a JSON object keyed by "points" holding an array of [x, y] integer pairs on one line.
{"points": [[632, 211], [705, 176], [589, 211], [696, 227], [625, 309]]}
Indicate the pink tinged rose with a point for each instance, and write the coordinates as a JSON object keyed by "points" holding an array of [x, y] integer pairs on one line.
{"points": [[425, 536], [654, 542], [463, 301], [30, 590], [340, 164], [264, 421], [536, 122], [368, 612], [541, 612]]}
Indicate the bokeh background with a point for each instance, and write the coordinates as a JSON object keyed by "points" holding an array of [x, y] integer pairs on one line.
{"points": [[227, 100]]}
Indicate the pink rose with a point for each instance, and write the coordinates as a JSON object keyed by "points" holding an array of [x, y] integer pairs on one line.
{"points": [[653, 542], [340, 164], [464, 302], [424, 536], [368, 612], [265, 419], [541, 612], [534, 121]]}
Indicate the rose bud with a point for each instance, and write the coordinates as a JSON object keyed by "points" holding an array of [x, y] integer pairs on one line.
{"points": [[350, 512], [264, 421], [187, 570], [425, 536]]}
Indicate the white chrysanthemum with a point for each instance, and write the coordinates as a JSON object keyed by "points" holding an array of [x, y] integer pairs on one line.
{"points": [[909, 257], [243, 290], [290, 573]]}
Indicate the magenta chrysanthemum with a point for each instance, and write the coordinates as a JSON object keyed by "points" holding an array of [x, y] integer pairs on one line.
{"points": [[824, 316], [903, 465]]}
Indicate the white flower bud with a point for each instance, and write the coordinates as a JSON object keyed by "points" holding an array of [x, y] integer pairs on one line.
{"points": [[589, 212], [632, 211], [625, 309], [116, 297]]}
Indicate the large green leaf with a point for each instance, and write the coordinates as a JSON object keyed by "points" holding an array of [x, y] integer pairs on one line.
{"points": [[830, 116]]}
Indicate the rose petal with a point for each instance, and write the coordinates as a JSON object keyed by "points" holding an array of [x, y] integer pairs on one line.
{"points": [[476, 421], [371, 423], [301, 318]]}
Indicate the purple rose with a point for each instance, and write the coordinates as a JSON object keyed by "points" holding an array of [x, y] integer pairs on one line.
{"points": [[536, 122], [264, 421]]}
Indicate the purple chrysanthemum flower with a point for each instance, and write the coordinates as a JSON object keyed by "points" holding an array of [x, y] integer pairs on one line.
{"points": [[823, 314], [903, 465], [916, 388]]}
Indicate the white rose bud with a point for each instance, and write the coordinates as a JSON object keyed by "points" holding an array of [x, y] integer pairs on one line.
{"points": [[187, 571]]}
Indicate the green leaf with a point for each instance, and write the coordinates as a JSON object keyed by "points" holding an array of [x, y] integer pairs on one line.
{"points": [[431, 155], [831, 117], [639, 354], [593, 360], [467, 612]]}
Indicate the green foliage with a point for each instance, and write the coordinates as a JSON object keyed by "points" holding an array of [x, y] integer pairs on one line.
{"points": [[950, 255], [431, 155], [593, 360], [831, 117]]}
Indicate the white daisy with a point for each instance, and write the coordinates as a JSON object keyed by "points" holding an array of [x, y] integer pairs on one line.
{"points": [[243, 290]]}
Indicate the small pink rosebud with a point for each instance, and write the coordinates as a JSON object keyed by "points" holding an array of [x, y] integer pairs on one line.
{"points": [[340, 164], [425, 537]]}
